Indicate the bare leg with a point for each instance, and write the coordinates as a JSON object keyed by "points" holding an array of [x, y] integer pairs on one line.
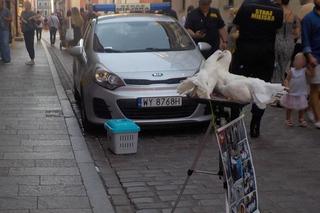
{"points": [[289, 121], [301, 115], [314, 100]]}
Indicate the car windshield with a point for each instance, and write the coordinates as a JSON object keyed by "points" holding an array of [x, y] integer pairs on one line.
{"points": [[141, 36]]}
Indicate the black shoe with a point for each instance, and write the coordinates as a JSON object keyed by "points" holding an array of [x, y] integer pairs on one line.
{"points": [[254, 128]]}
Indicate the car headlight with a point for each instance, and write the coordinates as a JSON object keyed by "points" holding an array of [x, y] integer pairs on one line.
{"points": [[107, 79]]}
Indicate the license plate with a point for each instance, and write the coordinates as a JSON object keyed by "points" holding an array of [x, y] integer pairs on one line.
{"points": [[159, 102]]}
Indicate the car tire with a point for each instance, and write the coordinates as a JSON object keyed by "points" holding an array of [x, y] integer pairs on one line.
{"points": [[86, 124]]}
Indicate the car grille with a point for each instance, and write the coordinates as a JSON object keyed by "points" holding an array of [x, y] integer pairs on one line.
{"points": [[101, 110], [130, 110], [150, 82]]}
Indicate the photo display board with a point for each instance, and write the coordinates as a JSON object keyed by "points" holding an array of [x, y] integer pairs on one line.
{"points": [[242, 193]]}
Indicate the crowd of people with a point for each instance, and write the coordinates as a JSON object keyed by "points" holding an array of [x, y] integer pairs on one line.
{"points": [[267, 39], [32, 24], [269, 42]]}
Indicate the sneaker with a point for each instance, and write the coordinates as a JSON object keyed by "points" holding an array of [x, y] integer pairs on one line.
{"points": [[311, 116], [30, 63], [317, 124]]}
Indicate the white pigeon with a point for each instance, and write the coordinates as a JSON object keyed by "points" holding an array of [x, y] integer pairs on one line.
{"points": [[234, 87], [202, 83]]}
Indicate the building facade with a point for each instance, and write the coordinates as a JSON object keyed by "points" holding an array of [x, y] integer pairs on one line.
{"points": [[44, 6]]}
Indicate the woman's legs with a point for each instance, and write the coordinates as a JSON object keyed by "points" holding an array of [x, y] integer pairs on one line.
{"points": [[315, 101]]}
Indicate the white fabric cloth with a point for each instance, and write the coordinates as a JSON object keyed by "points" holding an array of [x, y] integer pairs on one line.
{"points": [[214, 75], [298, 83]]}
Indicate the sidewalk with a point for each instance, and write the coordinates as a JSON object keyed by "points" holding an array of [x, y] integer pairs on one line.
{"points": [[45, 166]]}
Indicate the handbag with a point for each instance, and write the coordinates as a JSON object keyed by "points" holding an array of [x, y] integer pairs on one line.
{"points": [[69, 32]]}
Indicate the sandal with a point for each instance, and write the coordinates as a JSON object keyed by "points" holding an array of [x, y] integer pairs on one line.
{"points": [[289, 123], [303, 123]]}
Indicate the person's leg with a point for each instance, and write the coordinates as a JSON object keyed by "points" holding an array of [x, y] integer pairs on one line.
{"points": [[302, 122], [50, 36], [1, 44], [29, 41], [37, 33], [40, 33], [4, 46], [54, 35], [314, 101], [288, 114], [262, 67]]}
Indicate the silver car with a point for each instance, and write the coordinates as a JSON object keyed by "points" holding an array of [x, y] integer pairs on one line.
{"points": [[129, 66]]}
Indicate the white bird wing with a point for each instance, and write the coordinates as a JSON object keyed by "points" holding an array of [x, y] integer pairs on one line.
{"points": [[263, 93]]}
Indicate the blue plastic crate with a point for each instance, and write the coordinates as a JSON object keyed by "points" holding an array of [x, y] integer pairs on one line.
{"points": [[122, 136], [121, 126]]}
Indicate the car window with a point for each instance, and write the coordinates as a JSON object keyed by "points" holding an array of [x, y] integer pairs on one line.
{"points": [[142, 36]]}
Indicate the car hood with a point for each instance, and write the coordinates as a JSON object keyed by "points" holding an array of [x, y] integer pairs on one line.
{"points": [[152, 65]]}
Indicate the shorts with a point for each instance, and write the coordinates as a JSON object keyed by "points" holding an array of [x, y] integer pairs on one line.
{"points": [[316, 78]]}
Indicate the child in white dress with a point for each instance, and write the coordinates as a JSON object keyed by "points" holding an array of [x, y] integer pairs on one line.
{"points": [[296, 99]]}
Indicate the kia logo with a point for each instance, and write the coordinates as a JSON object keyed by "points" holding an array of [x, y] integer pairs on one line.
{"points": [[158, 74]]}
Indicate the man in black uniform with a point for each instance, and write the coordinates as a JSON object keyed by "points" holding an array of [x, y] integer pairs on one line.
{"points": [[205, 24], [257, 21]]}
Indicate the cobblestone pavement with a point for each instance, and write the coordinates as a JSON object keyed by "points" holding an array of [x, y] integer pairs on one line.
{"points": [[286, 160], [44, 167]]}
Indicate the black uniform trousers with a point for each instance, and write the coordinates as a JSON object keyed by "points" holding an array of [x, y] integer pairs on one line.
{"points": [[254, 59]]}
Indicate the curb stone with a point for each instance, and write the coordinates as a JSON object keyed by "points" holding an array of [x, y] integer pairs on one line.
{"points": [[98, 197]]}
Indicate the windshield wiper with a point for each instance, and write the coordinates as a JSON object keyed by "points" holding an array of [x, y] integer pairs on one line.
{"points": [[157, 49], [109, 50]]}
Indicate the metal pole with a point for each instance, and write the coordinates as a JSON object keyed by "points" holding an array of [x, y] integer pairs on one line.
{"points": [[194, 164]]}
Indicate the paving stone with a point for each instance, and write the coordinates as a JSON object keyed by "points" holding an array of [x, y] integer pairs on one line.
{"points": [[16, 180], [43, 171], [151, 205], [52, 148], [37, 155], [61, 202], [4, 171], [143, 200], [8, 190], [137, 189], [61, 180], [17, 163], [124, 209], [45, 142], [56, 163], [48, 137], [52, 190], [18, 203], [61, 211], [120, 200], [166, 187], [141, 194], [115, 191], [132, 184], [5, 149], [178, 210], [40, 132], [148, 211]]}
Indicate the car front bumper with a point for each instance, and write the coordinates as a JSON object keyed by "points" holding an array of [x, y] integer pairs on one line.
{"points": [[102, 104]]}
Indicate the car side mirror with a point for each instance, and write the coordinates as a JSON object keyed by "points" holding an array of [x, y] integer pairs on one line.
{"points": [[204, 46], [77, 51]]}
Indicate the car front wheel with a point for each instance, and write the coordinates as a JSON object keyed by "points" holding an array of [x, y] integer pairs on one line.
{"points": [[86, 124]]}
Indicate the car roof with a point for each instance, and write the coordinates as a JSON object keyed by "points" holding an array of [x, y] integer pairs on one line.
{"points": [[134, 17]]}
